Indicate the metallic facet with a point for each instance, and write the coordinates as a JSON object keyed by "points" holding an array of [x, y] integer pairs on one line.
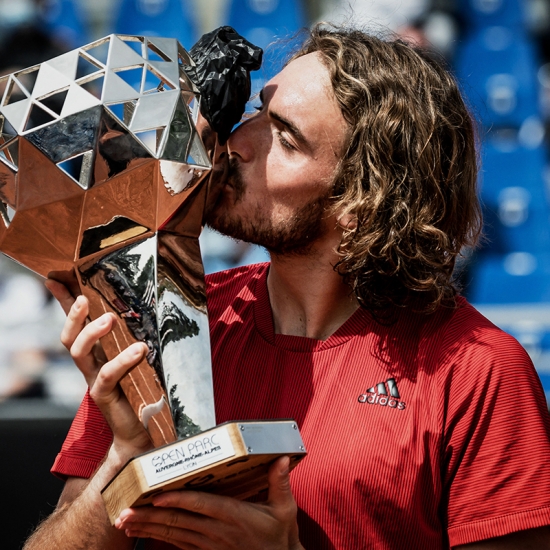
{"points": [[102, 181]]}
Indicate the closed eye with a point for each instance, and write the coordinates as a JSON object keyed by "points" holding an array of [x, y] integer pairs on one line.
{"points": [[284, 141]]}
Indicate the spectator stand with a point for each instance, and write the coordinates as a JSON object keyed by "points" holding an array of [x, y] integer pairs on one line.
{"points": [[270, 24], [65, 22], [165, 18], [497, 64]]}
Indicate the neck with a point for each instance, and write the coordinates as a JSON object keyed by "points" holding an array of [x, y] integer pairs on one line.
{"points": [[308, 298]]}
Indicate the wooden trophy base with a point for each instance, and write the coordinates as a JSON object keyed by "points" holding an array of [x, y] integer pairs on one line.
{"points": [[231, 459]]}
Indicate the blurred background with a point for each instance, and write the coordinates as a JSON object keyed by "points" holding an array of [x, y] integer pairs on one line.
{"points": [[498, 49]]}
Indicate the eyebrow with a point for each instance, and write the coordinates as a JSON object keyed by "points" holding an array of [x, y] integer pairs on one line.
{"points": [[292, 128]]}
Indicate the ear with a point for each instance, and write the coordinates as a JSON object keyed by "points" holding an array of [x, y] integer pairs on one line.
{"points": [[348, 221]]}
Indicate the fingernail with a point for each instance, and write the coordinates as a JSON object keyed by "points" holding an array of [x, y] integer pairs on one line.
{"points": [[159, 501], [285, 465], [123, 515], [136, 349], [103, 320]]}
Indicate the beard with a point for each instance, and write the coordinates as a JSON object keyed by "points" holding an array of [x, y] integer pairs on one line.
{"points": [[293, 236]]}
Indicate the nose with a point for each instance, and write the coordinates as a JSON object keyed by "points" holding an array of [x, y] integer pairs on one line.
{"points": [[219, 156], [241, 141]]}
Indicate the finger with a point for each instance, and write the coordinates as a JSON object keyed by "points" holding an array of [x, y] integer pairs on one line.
{"points": [[170, 525], [86, 338], [105, 386], [209, 505], [164, 535], [171, 516], [281, 500], [278, 479], [179, 544], [76, 320], [61, 293], [85, 335]]}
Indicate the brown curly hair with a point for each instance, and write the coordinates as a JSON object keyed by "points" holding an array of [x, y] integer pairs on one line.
{"points": [[408, 176]]}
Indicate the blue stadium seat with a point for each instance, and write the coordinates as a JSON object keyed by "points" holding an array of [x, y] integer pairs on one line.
{"points": [[485, 13], [512, 190], [519, 277], [260, 21], [166, 18], [529, 323], [263, 22], [508, 161], [64, 21], [516, 226], [535, 338], [545, 381], [497, 69]]}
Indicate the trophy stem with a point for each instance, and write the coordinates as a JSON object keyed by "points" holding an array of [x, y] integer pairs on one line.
{"points": [[141, 385]]}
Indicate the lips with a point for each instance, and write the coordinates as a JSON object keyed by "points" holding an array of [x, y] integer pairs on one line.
{"points": [[234, 179]]}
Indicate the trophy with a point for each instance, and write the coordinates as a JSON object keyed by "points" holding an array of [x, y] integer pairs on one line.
{"points": [[105, 169]]}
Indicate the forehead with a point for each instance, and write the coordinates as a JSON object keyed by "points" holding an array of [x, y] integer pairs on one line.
{"points": [[302, 92]]}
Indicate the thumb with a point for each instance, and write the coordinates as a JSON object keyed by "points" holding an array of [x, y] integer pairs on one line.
{"points": [[278, 479]]}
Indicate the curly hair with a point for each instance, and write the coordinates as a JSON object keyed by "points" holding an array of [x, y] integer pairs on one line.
{"points": [[408, 176]]}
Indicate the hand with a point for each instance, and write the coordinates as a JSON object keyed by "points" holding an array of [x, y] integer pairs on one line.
{"points": [[77, 311], [81, 338], [195, 520]]}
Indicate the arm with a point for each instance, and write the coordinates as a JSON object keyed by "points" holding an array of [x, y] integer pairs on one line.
{"points": [[187, 519], [80, 519], [531, 539], [496, 470]]}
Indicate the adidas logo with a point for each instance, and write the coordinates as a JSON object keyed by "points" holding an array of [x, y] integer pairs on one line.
{"points": [[385, 394]]}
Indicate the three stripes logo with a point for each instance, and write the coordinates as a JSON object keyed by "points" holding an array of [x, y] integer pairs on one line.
{"points": [[384, 394]]}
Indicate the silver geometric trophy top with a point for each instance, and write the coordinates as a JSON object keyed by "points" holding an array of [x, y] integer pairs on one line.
{"points": [[95, 113], [102, 178]]}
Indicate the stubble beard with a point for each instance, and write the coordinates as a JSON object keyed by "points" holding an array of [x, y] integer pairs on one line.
{"points": [[292, 236]]}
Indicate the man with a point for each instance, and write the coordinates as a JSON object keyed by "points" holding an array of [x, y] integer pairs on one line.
{"points": [[426, 426]]}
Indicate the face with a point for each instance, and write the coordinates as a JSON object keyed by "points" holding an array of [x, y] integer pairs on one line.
{"points": [[282, 162]]}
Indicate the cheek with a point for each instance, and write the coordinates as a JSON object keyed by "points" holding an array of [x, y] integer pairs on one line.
{"points": [[306, 179], [290, 171]]}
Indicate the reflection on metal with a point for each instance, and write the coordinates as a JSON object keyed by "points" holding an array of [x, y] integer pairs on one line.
{"points": [[102, 176]]}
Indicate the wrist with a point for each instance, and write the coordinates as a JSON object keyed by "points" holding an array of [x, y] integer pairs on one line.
{"points": [[121, 452], [118, 456], [114, 461]]}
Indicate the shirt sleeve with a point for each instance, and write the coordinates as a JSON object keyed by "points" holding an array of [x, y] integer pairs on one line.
{"points": [[87, 442], [497, 440]]}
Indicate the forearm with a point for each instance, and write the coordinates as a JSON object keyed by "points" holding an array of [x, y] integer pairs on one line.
{"points": [[80, 521]]}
